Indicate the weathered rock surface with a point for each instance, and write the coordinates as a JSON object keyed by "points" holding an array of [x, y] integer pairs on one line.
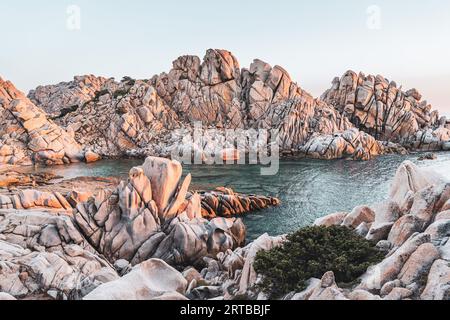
{"points": [[147, 281], [381, 108], [10, 178], [41, 252], [224, 202], [137, 117], [150, 217], [66, 97], [152, 221], [27, 135], [412, 227]]}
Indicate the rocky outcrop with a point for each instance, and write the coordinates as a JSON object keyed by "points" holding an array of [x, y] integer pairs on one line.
{"points": [[44, 254], [413, 228], [28, 136], [353, 144], [9, 178], [224, 202], [150, 216], [416, 263], [57, 100], [153, 223], [63, 247], [142, 114], [387, 112], [35, 199], [150, 280]]}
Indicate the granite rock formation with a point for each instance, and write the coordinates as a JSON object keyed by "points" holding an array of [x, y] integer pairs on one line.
{"points": [[27, 135], [138, 117], [44, 255], [151, 223], [224, 202], [387, 112], [150, 216], [55, 246], [65, 97]]}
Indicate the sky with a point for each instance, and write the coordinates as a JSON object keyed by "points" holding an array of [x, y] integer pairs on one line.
{"points": [[49, 41]]}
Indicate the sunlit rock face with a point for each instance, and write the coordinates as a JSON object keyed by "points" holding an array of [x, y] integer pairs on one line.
{"points": [[152, 216], [27, 135], [381, 108], [411, 226], [138, 117], [56, 100]]}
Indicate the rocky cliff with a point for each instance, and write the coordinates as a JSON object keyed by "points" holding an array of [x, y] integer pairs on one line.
{"points": [[383, 109], [28, 136], [359, 117]]}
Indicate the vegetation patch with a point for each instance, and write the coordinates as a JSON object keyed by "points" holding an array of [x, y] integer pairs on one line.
{"points": [[311, 252]]}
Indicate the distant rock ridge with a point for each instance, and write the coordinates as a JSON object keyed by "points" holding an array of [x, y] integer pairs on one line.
{"points": [[381, 108], [360, 117]]}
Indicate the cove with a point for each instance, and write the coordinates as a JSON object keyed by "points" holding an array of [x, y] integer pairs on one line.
{"points": [[308, 189]]}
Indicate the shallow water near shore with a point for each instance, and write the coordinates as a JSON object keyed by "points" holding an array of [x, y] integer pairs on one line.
{"points": [[308, 189]]}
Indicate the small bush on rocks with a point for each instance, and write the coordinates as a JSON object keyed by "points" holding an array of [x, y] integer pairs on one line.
{"points": [[311, 252]]}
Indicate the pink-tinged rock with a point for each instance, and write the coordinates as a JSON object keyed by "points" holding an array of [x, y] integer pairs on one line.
{"points": [[230, 155], [408, 180], [90, 157], [403, 229], [359, 215], [164, 176], [334, 219], [148, 280], [438, 284], [327, 290], [418, 264], [399, 294], [388, 270], [444, 215]]}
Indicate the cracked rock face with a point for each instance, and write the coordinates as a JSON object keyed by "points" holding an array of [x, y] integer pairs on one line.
{"points": [[150, 216], [137, 117], [387, 112], [41, 252], [224, 202], [64, 97], [27, 135]]}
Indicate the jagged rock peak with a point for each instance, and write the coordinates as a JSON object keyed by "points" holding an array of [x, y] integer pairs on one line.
{"points": [[381, 108]]}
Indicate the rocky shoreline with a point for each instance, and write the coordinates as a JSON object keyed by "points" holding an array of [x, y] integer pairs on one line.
{"points": [[151, 238], [359, 117]]}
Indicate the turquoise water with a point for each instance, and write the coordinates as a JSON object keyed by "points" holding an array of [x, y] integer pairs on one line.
{"points": [[308, 189]]}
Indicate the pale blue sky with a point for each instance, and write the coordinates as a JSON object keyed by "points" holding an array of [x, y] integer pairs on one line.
{"points": [[314, 40]]}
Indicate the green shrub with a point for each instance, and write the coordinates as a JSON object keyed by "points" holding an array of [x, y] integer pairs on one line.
{"points": [[311, 252], [119, 93]]}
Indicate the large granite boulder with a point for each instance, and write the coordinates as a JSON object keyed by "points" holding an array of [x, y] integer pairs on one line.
{"points": [[44, 254], [149, 280], [150, 217]]}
